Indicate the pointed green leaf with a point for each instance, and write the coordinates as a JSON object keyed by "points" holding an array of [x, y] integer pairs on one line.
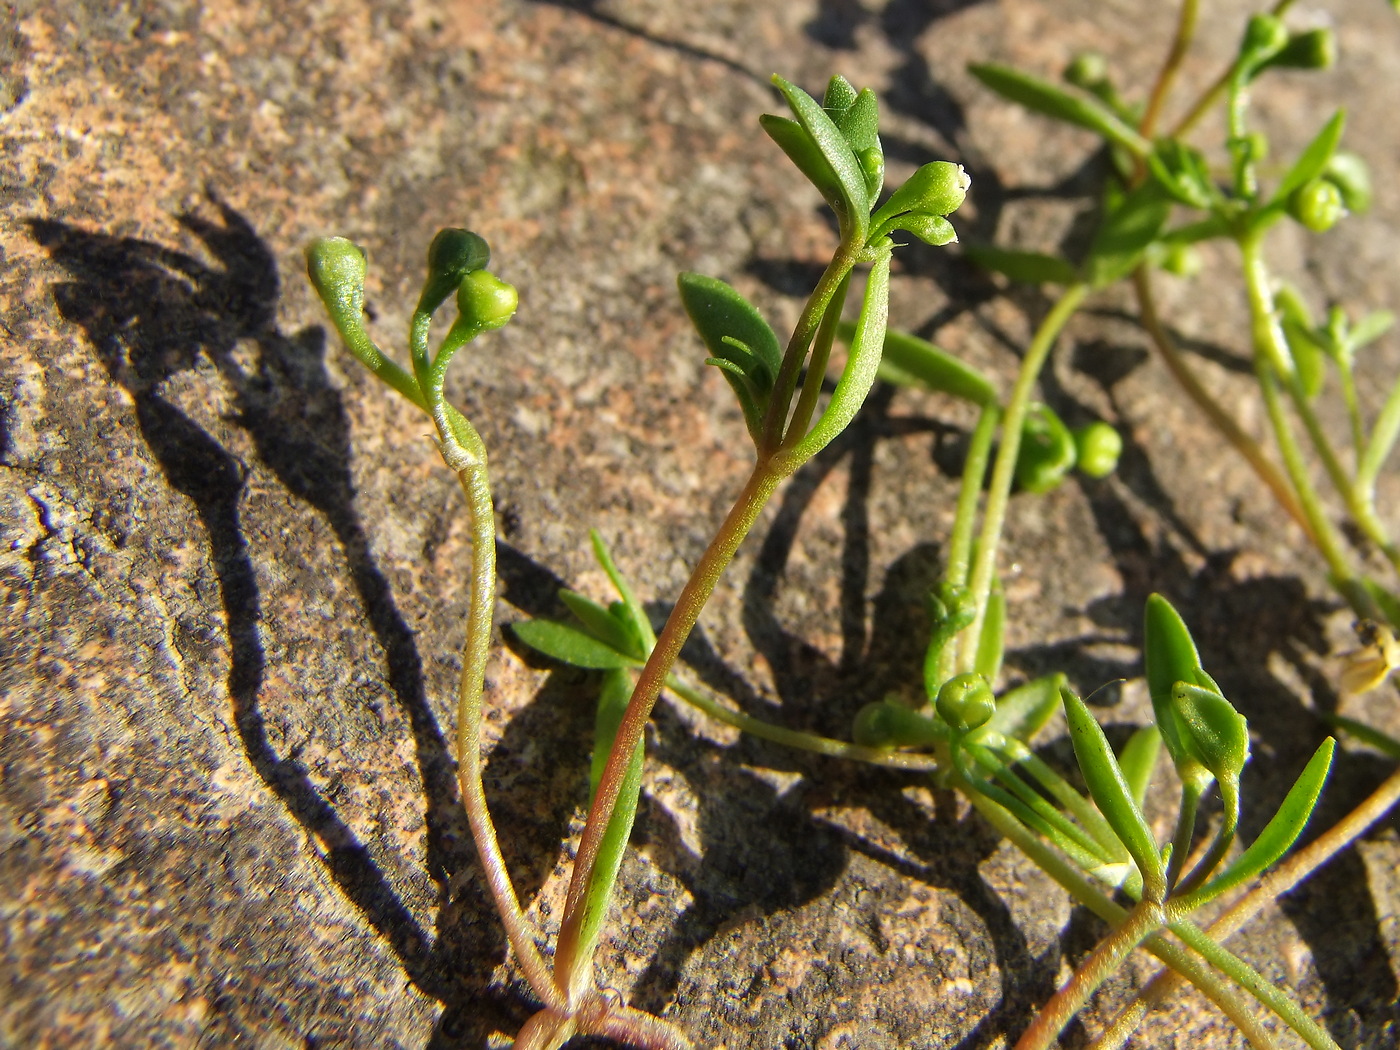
{"points": [[1371, 327], [867, 342], [571, 646], [854, 203], [1022, 267], [601, 623], [860, 122], [839, 96], [617, 689], [1022, 712], [1313, 160], [1282, 831], [917, 362], [1111, 793], [1371, 737], [1138, 761], [1045, 98], [793, 139], [636, 616]]}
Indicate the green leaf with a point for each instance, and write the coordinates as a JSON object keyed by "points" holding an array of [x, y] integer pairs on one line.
{"points": [[839, 96], [736, 333], [598, 621], [1368, 735], [1370, 328], [931, 229], [1126, 233], [1170, 655], [1195, 232], [1138, 761], [793, 139], [617, 689], [1022, 712], [1048, 100], [1023, 267], [991, 642], [1314, 159], [916, 362], [1111, 793], [867, 342], [860, 122], [1183, 173], [853, 206], [571, 646], [1281, 832], [632, 612]]}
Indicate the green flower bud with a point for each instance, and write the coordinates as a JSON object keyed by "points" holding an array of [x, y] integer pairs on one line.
{"points": [[337, 268], [936, 189], [1047, 451], [888, 724], [452, 255], [1182, 260], [1264, 37], [1219, 734], [1352, 177], [1088, 70], [1318, 205], [1099, 446], [872, 166], [485, 301], [1312, 49], [966, 702], [1256, 145]]}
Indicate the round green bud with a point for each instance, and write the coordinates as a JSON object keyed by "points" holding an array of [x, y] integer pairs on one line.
{"points": [[1047, 451], [485, 301], [872, 166], [966, 702], [452, 255], [1258, 145], [1182, 260], [1264, 37], [1217, 733], [1099, 446], [1087, 70], [337, 269], [1318, 205], [1352, 177]]}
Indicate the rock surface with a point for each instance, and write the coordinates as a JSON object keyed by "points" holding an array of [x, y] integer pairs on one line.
{"points": [[231, 565]]}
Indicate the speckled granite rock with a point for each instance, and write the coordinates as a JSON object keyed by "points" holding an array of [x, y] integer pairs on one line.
{"points": [[231, 565]]}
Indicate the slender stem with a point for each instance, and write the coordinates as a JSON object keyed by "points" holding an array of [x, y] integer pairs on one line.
{"points": [[482, 524], [979, 451], [1270, 362], [816, 368], [1286, 876], [775, 420], [1191, 792], [1185, 30], [1145, 918], [1353, 403], [1245, 445], [636, 1028], [573, 959], [1212, 94], [820, 745], [1004, 471], [1184, 965], [1255, 983]]}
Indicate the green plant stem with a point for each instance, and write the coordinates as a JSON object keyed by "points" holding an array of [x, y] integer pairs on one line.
{"points": [[775, 420], [1245, 445], [1208, 98], [1145, 919], [1184, 965], [979, 451], [1181, 42], [1004, 470], [1270, 362], [1191, 792], [1288, 875], [816, 368], [1369, 461], [1358, 427], [820, 745], [572, 958], [470, 466]]}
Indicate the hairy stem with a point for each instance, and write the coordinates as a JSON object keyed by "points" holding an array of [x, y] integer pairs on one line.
{"points": [[572, 958], [1145, 918]]}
